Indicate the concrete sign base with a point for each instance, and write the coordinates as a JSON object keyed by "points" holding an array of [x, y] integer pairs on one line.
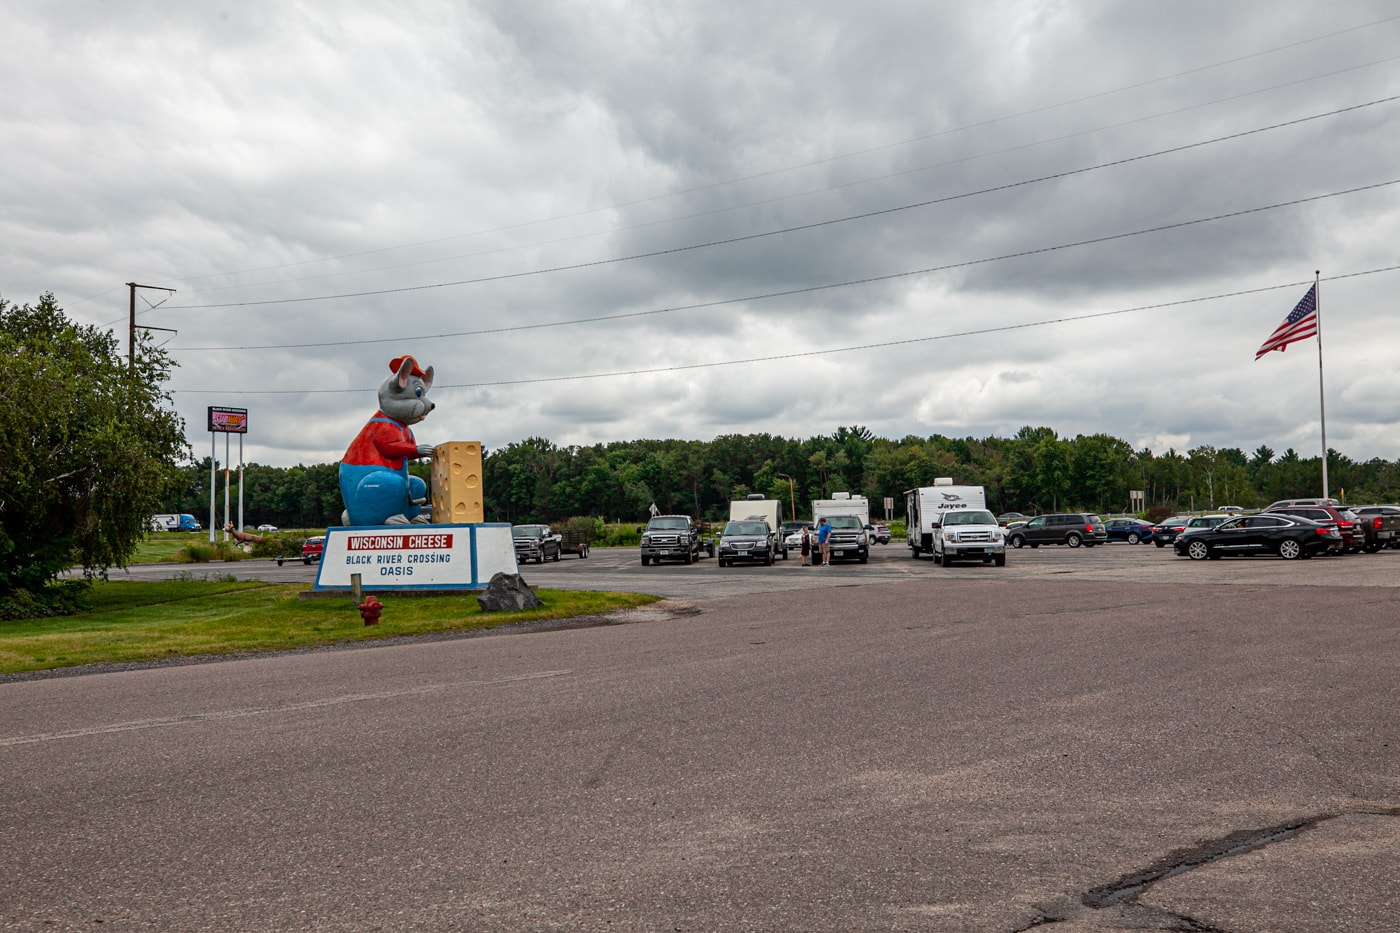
{"points": [[416, 557]]}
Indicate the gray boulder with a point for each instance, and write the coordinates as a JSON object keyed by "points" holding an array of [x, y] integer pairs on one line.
{"points": [[507, 592]]}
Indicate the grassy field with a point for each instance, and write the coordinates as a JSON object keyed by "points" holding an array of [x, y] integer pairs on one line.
{"points": [[149, 621]]}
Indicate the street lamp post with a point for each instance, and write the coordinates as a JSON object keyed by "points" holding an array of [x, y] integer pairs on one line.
{"points": [[792, 497]]}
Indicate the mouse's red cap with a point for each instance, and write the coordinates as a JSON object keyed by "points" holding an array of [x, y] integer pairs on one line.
{"points": [[397, 361]]}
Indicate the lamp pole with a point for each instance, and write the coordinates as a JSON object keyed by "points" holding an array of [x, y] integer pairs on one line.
{"points": [[792, 497]]}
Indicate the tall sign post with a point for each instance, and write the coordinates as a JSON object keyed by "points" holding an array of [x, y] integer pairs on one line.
{"points": [[226, 421]]}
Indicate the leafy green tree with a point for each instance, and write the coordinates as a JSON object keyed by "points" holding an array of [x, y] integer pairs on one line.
{"points": [[88, 446]]}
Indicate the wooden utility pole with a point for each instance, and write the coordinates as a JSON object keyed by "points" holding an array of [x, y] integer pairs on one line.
{"points": [[131, 334]]}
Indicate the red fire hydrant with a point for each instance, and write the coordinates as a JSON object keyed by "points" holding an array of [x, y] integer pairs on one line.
{"points": [[370, 610]]}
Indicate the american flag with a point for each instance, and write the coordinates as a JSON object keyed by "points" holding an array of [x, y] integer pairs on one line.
{"points": [[1300, 324]]}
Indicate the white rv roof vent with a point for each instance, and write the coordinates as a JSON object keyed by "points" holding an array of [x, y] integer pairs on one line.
{"points": [[943, 481]]}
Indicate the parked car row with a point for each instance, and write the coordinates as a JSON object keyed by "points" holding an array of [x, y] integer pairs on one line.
{"points": [[1291, 529]]}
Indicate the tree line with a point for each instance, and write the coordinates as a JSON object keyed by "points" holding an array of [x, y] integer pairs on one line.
{"points": [[81, 473], [535, 480]]}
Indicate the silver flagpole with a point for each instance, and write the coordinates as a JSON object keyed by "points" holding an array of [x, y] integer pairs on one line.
{"points": [[1321, 396]]}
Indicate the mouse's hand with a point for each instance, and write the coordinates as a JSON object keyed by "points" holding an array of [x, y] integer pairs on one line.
{"points": [[425, 451]]}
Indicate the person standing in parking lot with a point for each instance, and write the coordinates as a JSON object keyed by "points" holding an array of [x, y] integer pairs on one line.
{"points": [[806, 547], [823, 533]]}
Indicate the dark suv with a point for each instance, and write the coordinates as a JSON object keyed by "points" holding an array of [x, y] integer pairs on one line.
{"points": [[1352, 528], [1071, 528]]}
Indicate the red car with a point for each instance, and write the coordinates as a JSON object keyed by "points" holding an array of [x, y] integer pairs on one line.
{"points": [[1353, 535], [313, 548]]}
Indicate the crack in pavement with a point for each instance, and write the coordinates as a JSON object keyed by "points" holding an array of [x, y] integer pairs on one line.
{"points": [[1131, 885], [1122, 894]]}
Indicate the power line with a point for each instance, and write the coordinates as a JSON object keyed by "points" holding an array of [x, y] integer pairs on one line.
{"points": [[811, 353], [769, 173], [798, 194], [793, 229]]}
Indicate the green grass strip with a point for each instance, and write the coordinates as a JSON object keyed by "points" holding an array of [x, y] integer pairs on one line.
{"points": [[133, 621]]}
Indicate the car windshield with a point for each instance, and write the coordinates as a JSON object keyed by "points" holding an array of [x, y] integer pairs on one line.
{"points": [[844, 521], [746, 528], [527, 531], [973, 517], [668, 524]]}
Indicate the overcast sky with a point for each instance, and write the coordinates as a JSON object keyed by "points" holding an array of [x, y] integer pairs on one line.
{"points": [[616, 220]]}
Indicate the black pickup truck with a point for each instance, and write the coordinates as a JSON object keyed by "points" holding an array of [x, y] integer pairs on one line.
{"points": [[673, 537], [535, 543]]}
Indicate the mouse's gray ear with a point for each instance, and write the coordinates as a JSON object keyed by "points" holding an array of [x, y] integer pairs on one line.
{"points": [[427, 379], [406, 365]]}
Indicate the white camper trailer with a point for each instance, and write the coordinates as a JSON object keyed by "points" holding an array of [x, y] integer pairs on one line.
{"points": [[848, 514], [924, 508], [759, 506]]}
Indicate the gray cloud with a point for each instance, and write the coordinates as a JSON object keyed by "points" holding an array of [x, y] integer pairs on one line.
{"points": [[310, 149]]}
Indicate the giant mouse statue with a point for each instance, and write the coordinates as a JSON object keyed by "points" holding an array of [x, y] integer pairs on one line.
{"points": [[374, 478]]}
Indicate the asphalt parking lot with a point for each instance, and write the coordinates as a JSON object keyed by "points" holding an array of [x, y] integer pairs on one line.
{"points": [[1095, 740], [620, 570]]}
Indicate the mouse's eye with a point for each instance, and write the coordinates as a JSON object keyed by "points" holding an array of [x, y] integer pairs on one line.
{"points": [[418, 392]]}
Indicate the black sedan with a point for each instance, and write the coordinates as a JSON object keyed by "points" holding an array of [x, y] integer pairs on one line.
{"points": [[1285, 535]]}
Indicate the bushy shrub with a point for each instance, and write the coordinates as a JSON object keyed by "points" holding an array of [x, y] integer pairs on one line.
{"points": [[590, 526], [61, 598], [619, 536], [277, 546], [204, 553], [1159, 512]]}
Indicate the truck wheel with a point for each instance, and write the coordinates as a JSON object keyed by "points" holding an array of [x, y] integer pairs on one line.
{"points": [[279, 562], [865, 557], [689, 557], [583, 551], [947, 559], [1000, 560], [913, 552], [645, 560], [558, 555]]}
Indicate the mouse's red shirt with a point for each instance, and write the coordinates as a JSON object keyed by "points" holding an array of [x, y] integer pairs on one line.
{"points": [[381, 442]]}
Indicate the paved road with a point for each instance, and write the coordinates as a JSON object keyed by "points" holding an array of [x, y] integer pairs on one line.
{"points": [[1075, 741]]}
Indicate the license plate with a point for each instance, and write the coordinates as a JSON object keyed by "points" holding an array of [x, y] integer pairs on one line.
{"points": [[837, 553]]}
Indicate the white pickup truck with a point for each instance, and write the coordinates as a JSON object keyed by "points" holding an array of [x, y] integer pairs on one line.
{"points": [[971, 534]]}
